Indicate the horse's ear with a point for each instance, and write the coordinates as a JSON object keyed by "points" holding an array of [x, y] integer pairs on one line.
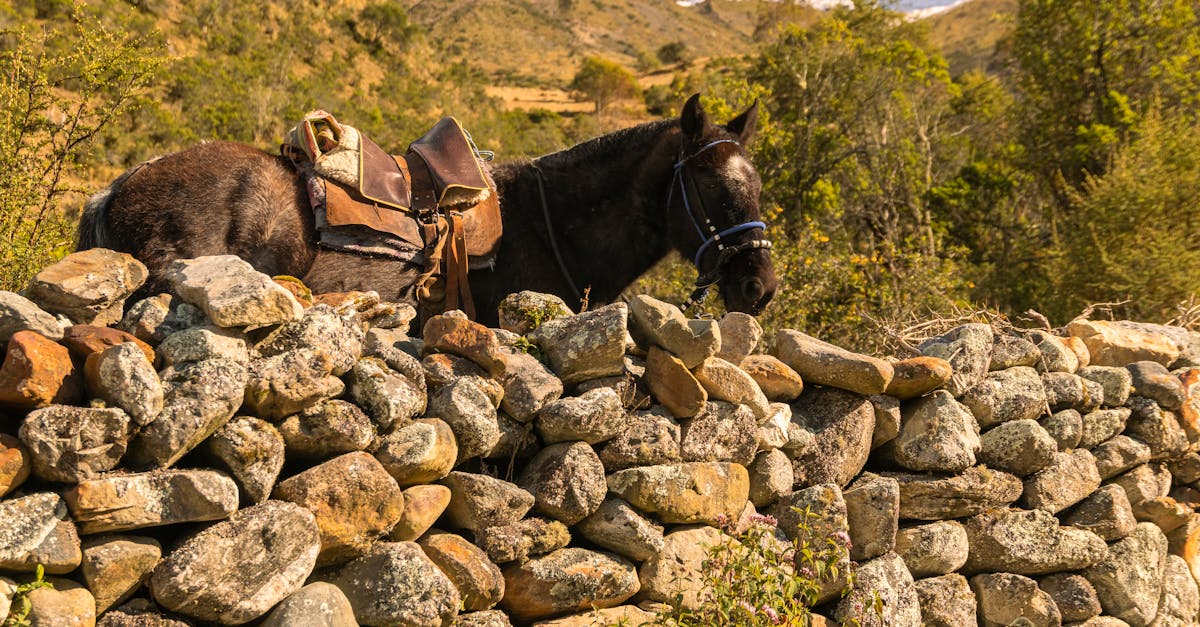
{"points": [[693, 119], [744, 125]]}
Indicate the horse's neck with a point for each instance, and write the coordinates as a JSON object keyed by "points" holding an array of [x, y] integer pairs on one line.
{"points": [[607, 205]]}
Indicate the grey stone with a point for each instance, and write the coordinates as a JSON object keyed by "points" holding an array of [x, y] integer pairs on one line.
{"points": [[567, 481], [37, 530], [720, 432], [69, 444], [470, 413], [968, 348], [518, 541], [124, 378], [885, 579], [141, 612], [327, 429], [231, 292], [873, 512], [1010, 351], [655, 323], [937, 434], [203, 342], [938, 497], [164, 497], [318, 604], [237, 570], [585, 346], [18, 313], [114, 567], [1118, 455], [528, 386], [1180, 601], [1157, 428], [517, 441], [936, 548], [253, 452], [618, 527], [1117, 383], [289, 382], [946, 601], [320, 328], [770, 477], [1021, 447], [648, 438], [1005, 598], [155, 318], [479, 501], [822, 363], [842, 424], [1069, 391], [1129, 581], [1028, 543], [489, 618], [89, 286], [1066, 427], [396, 584], [593, 417], [524, 311], [740, 335], [887, 419], [827, 522], [1066, 481], [1101, 425], [391, 398], [1106, 512], [198, 398], [676, 569], [1056, 355], [691, 492], [1145, 482], [1152, 380], [1075, 598], [1013, 394]]}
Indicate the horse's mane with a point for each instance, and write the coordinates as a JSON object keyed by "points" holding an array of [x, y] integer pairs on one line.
{"points": [[600, 149]]}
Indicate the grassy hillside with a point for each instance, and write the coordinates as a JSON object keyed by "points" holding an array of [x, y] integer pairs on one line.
{"points": [[967, 34]]}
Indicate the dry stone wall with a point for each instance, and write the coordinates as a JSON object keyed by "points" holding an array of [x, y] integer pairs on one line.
{"points": [[245, 452]]}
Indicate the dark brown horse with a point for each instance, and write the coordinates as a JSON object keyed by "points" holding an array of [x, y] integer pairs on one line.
{"points": [[612, 206]]}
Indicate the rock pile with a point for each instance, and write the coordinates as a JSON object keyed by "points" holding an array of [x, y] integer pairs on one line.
{"points": [[245, 451]]}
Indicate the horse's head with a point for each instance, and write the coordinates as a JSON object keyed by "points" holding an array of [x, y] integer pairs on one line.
{"points": [[714, 204]]}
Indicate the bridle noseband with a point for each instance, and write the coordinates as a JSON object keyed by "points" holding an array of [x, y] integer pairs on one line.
{"points": [[725, 252]]}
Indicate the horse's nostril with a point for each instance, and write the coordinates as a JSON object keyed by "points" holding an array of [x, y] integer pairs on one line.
{"points": [[752, 289]]}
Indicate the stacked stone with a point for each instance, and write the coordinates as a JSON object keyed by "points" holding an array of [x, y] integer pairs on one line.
{"points": [[244, 451]]}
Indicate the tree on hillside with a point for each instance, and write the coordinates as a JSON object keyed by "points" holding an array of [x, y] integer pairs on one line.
{"points": [[603, 81]]}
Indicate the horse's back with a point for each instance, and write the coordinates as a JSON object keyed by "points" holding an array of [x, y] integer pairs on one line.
{"points": [[214, 198]]}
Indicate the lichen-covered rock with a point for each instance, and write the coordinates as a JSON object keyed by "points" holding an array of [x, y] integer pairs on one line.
{"points": [[114, 567], [479, 501], [37, 372], [69, 444], [936, 434], [740, 334], [968, 348], [1106, 512], [1130, 580], [420, 452], [203, 342], [821, 363], [288, 382], [721, 432], [253, 451], [938, 497], [124, 378], [828, 524], [423, 505], [154, 318], [770, 477], [843, 425], [1101, 425], [523, 311], [592, 417], [936, 548], [355, 502], [884, 578], [318, 604], [1157, 428], [1066, 481], [1013, 394], [677, 568], [917, 376], [1011, 351], [1068, 391], [873, 511], [585, 346], [390, 397], [323, 329], [1021, 447], [1066, 427], [1119, 455], [1117, 383], [1004, 598], [37, 530], [237, 570], [567, 580], [946, 601], [327, 429], [122, 502], [566, 480], [648, 438], [692, 492], [231, 292], [529, 537], [619, 527], [1075, 598], [1180, 601], [528, 385], [1028, 543], [396, 584], [18, 313], [726, 382], [89, 286], [471, 415], [479, 582], [655, 323]]}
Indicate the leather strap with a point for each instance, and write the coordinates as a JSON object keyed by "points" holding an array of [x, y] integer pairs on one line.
{"points": [[458, 290]]}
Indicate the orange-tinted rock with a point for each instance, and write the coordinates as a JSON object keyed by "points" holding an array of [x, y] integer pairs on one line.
{"points": [[423, 505], [916, 376], [1189, 413], [37, 372], [1110, 344], [673, 385], [462, 337], [14, 463], [565, 581], [480, 583], [358, 301], [776, 379], [85, 339], [303, 295]]}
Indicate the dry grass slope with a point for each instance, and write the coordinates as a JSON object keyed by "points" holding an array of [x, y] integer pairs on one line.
{"points": [[967, 34]]}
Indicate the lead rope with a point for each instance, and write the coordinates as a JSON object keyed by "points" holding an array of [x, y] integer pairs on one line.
{"points": [[562, 267]]}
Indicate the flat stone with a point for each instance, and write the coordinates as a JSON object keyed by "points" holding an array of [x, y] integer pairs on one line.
{"points": [[673, 385], [1075, 598], [518, 541], [528, 385], [37, 531], [151, 499], [740, 335], [89, 286], [675, 573], [198, 398], [726, 382], [655, 323], [204, 342], [1117, 383], [873, 512], [122, 377], [1028, 543], [1066, 481], [843, 425], [252, 450], [937, 433], [566, 480], [391, 398], [565, 581], [69, 444], [968, 348], [1056, 354], [946, 601], [1129, 581], [1157, 428], [917, 376], [825, 364], [1101, 425], [238, 569], [37, 372], [479, 501], [649, 438], [936, 548], [231, 292], [321, 328], [593, 417], [464, 338], [1180, 601], [354, 500], [524, 311], [691, 492], [722, 432], [65, 603], [1119, 455], [114, 567], [85, 339], [423, 505], [318, 604], [940, 497], [420, 452], [396, 584], [770, 477], [327, 429], [479, 582], [618, 527], [1010, 351], [776, 379], [1013, 394], [1111, 344], [1020, 447], [1106, 512], [15, 463], [287, 383], [882, 579], [1005, 598], [1066, 427], [18, 313], [586, 346]]}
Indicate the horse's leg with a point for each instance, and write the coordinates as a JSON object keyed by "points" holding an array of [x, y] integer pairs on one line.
{"points": [[334, 271]]}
